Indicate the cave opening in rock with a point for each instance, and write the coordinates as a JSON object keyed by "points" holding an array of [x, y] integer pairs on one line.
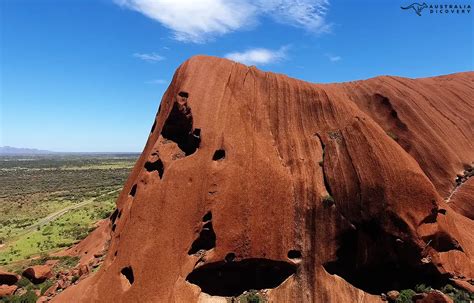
{"points": [[207, 217], [114, 215], [157, 165], [127, 272], [376, 262], [206, 239], [179, 129], [183, 94], [233, 278], [133, 191], [218, 155], [294, 254]]}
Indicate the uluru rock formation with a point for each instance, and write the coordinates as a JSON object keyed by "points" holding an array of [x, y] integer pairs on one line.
{"points": [[252, 180]]}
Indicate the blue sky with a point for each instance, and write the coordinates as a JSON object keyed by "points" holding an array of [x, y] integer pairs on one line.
{"points": [[88, 75]]}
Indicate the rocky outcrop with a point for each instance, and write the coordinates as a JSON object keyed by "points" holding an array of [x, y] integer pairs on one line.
{"points": [[8, 278], [7, 290], [308, 192], [38, 273]]}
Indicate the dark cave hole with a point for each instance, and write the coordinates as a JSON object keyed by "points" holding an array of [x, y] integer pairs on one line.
{"points": [[179, 129], [219, 155], [205, 241], [157, 165], [443, 242], [119, 214], [294, 254], [442, 211], [127, 272], [207, 217], [377, 262], [230, 257], [114, 215], [183, 94], [153, 127], [233, 278], [114, 226], [133, 191]]}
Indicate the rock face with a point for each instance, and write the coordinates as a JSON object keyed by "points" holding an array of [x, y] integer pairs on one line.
{"points": [[310, 193]]}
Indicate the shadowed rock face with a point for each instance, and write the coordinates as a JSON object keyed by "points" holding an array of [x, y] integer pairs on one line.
{"points": [[319, 193]]}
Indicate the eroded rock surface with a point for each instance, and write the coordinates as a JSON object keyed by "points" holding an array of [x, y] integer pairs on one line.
{"points": [[317, 193]]}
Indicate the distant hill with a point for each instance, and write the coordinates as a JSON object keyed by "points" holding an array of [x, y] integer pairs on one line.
{"points": [[9, 150]]}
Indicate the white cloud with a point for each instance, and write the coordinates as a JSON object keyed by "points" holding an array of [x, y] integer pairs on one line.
{"points": [[152, 57], [157, 81], [333, 58], [258, 56], [200, 20]]}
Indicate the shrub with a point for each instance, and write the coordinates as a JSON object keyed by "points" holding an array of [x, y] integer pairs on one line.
{"points": [[458, 295], [251, 297], [405, 296]]}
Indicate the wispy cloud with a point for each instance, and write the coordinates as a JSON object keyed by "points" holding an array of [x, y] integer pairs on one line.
{"points": [[333, 58], [152, 57], [258, 56], [157, 81], [201, 20]]}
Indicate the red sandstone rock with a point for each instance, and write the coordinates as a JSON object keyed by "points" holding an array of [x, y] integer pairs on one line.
{"points": [[51, 290], [326, 193], [435, 296], [38, 273], [42, 299], [7, 290], [8, 278]]}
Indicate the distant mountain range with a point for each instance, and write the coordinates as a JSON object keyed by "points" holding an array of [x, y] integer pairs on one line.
{"points": [[9, 150]]}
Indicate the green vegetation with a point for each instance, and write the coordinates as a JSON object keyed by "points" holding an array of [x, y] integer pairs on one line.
{"points": [[252, 296], [405, 296], [28, 297], [51, 202], [458, 295]]}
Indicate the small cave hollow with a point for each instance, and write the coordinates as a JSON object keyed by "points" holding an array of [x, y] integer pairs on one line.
{"points": [[230, 257], [126, 275], [114, 215], [294, 254], [377, 262], [133, 191], [207, 217], [228, 279], [155, 166], [183, 94], [206, 239], [443, 242], [218, 155], [178, 128]]}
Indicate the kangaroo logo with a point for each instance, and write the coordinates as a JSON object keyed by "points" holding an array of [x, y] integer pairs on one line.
{"points": [[417, 7]]}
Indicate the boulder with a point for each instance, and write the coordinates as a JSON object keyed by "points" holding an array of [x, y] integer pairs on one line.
{"points": [[38, 273], [8, 278], [7, 290], [435, 296], [393, 295]]}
